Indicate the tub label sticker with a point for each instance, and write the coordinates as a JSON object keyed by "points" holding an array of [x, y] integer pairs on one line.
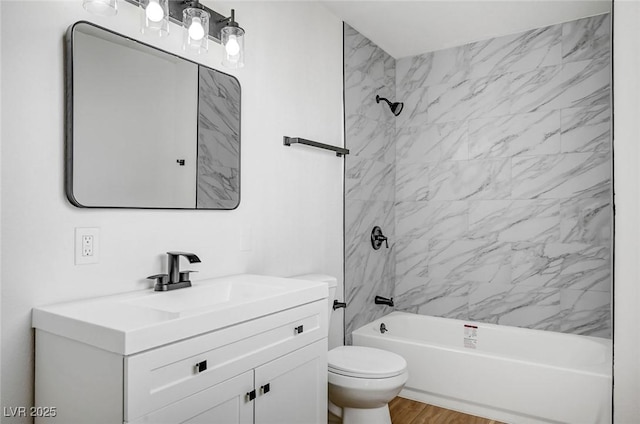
{"points": [[470, 336]]}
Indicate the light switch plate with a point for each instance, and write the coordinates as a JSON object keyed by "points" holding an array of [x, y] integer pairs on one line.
{"points": [[87, 246]]}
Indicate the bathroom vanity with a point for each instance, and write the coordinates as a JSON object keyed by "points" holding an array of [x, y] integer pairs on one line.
{"points": [[239, 349]]}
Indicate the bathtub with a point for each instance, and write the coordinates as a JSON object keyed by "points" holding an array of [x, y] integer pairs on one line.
{"points": [[509, 374]]}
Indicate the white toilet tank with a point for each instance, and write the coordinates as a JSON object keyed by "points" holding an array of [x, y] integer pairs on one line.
{"points": [[332, 282]]}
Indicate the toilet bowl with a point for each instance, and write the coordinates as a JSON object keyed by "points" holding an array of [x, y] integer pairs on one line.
{"points": [[362, 380]]}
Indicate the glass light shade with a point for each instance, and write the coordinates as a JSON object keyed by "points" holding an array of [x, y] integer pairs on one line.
{"points": [[101, 7], [196, 29], [232, 38], [154, 17]]}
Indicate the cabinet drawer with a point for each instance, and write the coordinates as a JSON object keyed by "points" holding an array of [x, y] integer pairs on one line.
{"points": [[159, 377], [223, 403]]}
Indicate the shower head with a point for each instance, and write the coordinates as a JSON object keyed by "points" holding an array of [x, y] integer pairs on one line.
{"points": [[396, 107]]}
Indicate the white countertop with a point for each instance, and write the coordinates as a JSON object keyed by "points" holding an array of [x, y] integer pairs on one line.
{"points": [[136, 321]]}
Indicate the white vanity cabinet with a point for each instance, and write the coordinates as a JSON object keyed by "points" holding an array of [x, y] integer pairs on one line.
{"points": [[293, 390], [268, 369]]}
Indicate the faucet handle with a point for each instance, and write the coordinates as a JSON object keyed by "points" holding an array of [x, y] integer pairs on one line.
{"points": [[161, 279], [184, 276]]}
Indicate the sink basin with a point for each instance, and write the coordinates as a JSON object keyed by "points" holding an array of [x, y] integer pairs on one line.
{"points": [[215, 295], [133, 322]]}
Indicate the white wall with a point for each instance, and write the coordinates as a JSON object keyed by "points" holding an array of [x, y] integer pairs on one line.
{"points": [[626, 338], [1, 397], [291, 200]]}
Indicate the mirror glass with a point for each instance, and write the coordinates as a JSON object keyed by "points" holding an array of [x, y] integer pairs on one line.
{"points": [[146, 128]]}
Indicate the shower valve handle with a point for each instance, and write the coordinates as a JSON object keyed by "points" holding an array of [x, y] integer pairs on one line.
{"points": [[377, 238], [383, 239]]}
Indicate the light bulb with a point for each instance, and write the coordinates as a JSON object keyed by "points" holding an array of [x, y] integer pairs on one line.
{"points": [[196, 31], [154, 11], [232, 46], [101, 7]]}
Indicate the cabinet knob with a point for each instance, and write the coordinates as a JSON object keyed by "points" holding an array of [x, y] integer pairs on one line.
{"points": [[266, 388], [251, 395], [201, 366], [299, 329]]}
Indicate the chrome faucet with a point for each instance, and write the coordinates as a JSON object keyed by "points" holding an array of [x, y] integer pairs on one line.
{"points": [[174, 279]]}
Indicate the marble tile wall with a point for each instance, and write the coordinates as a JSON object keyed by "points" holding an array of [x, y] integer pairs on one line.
{"points": [[493, 185], [503, 180], [369, 178]]}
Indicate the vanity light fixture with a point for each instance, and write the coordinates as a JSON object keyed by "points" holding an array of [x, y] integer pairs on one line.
{"points": [[154, 17], [199, 22], [101, 7]]}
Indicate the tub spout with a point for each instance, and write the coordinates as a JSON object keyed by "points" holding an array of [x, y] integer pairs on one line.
{"points": [[338, 305], [379, 300], [383, 328]]}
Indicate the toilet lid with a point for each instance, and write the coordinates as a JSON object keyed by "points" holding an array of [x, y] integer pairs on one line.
{"points": [[365, 362]]}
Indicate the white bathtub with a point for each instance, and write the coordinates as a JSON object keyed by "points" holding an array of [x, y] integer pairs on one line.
{"points": [[513, 375]]}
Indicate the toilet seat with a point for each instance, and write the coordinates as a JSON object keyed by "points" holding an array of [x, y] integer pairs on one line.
{"points": [[365, 362]]}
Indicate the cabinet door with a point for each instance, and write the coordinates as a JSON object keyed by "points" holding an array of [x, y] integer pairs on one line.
{"points": [[224, 403], [297, 387]]}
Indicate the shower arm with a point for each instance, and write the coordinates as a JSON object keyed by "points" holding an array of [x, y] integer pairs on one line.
{"points": [[378, 98]]}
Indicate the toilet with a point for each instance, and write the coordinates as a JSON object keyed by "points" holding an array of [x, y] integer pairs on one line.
{"points": [[362, 380]]}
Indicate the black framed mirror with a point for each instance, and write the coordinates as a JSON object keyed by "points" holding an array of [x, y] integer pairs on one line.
{"points": [[146, 128]]}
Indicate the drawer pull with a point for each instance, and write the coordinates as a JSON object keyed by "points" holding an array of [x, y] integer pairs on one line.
{"points": [[251, 395], [299, 329], [266, 388], [201, 366]]}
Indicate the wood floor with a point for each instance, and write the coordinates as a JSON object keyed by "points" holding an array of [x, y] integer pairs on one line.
{"points": [[405, 411]]}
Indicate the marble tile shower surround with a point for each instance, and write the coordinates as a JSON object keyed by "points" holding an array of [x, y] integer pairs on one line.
{"points": [[370, 174], [502, 196]]}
